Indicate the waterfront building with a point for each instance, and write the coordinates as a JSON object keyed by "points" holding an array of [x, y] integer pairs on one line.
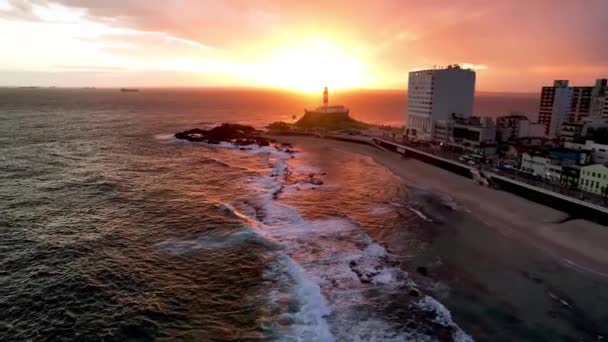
{"points": [[594, 178], [433, 95], [474, 131], [599, 152], [549, 162], [554, 105], [475, 134], [511, 127], [535, 163], [539, 164], [570, 176]]}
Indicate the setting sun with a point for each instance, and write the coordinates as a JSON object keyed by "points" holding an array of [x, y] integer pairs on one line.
{"points": [[311, 65]]}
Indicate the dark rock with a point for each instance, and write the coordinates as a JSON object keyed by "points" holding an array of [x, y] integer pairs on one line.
{"points": [[422, 270], [352, 263], [414, 293], [240, 135], [316, 181]]}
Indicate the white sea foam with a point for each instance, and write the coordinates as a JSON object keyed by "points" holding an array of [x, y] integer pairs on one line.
{"points": [[420, 214], [165, 137], [443, 317], [309, 321], [212, 241], [331, 263], [324, 267], [382, 210], [367, 331]]}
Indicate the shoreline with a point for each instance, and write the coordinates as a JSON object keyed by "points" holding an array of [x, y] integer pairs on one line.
{"points": [[576, 244]]}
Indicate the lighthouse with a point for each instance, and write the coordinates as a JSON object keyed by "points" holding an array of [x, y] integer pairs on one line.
{"points": [[325, 108]]}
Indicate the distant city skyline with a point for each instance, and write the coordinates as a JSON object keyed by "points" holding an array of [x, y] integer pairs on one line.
{"points": [[514, 46]]}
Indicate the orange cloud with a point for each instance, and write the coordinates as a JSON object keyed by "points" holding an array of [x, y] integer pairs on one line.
{"points": [[515, 45]]}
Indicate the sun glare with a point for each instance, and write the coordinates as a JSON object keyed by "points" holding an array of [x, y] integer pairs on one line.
{"points": [[311, 65]]}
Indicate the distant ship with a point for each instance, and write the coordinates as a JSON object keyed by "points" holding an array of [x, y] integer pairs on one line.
{"points": [[129, 90], [326, 108]]}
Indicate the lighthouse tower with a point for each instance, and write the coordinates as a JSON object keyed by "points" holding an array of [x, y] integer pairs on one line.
{"points": [[325, 108]]}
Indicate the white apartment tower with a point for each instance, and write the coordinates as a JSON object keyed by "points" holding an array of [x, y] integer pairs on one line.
{"points": [[434, 95]]}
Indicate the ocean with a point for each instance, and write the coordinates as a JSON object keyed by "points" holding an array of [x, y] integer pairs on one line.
{"points": [[111, 229]]}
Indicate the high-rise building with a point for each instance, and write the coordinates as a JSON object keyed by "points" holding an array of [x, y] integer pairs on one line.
{"points": [[599, 102], [580, 104], [563, 105], [434, 95], [554, 106]]}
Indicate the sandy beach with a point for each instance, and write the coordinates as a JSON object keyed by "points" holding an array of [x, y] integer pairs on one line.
{"points": [[577, 244]]}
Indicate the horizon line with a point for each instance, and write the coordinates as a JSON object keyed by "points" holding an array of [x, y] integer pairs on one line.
{"points": [[261, 88]]}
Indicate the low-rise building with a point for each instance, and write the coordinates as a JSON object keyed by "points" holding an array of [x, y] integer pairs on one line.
{"points": [[474, 134], [570, 176], [474, 131], [535, 163], [511, 127], [599, 152], [549, 163], [571, 131], [516, 126], [594, 178]]}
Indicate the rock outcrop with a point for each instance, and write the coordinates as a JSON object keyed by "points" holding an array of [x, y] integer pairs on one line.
{"points": [[240, 135]]}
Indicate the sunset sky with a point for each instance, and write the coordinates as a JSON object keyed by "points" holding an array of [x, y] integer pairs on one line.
{"points": [[516, 45]]}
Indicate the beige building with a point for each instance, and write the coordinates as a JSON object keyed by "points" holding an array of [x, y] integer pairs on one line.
{"points": [[594, 178]]}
